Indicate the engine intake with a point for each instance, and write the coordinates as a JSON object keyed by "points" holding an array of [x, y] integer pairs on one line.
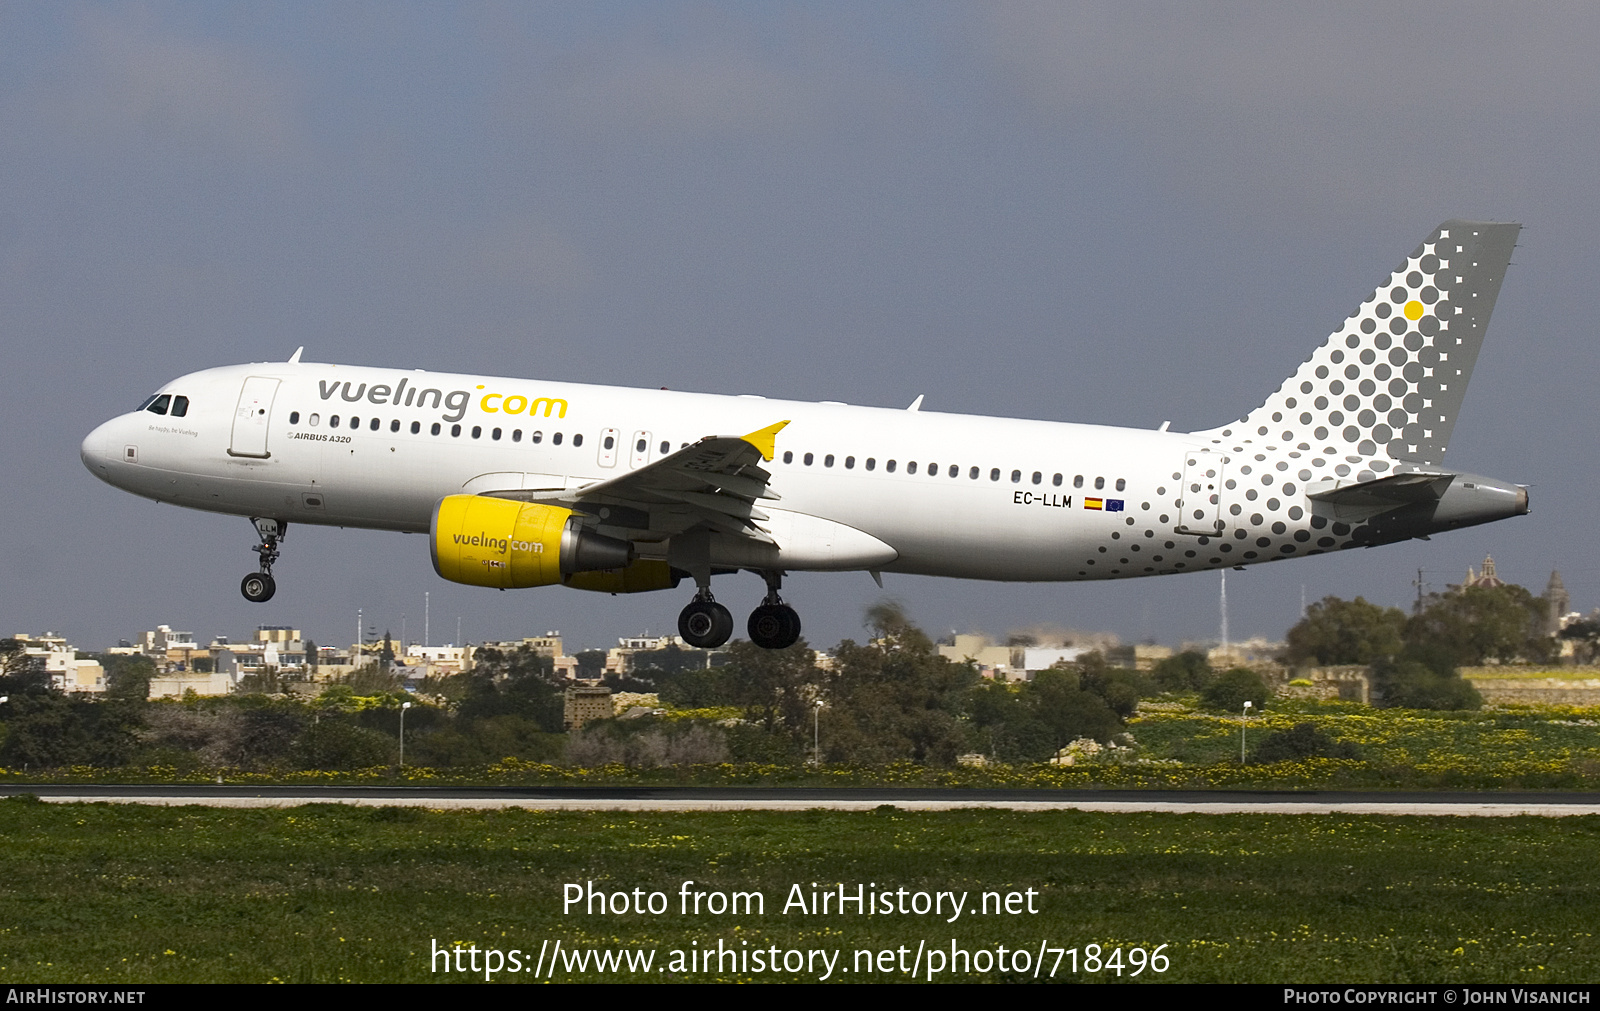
{"points": [[483, 541]]}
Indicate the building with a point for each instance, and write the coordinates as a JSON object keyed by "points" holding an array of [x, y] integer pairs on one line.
{"points": [[992, 661], [1486, 578], [59, 660], [587, 702]]}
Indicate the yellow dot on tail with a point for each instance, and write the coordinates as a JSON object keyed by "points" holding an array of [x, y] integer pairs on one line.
{"points": [[1414, 309]]}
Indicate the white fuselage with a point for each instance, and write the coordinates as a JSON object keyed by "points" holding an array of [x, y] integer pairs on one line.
{"points": [[857, 487]]}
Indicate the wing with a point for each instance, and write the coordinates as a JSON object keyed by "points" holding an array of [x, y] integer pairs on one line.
{"points": [[715, 482]]}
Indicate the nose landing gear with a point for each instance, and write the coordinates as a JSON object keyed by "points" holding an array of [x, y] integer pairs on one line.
{"points": [[258, 587]]}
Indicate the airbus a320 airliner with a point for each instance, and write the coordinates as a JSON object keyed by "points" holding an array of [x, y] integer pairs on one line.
{"points": [[522, 482]]}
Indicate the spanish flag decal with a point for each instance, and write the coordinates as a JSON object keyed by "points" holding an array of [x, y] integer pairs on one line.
{"points": [[1093, 503]]}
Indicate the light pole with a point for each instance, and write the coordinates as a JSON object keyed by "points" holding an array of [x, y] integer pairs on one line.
{"points": [[403, 707], [816, 733], [1242, 725]]}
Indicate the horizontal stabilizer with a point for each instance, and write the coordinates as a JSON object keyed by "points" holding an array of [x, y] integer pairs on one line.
{"points": [[1386, 492]]}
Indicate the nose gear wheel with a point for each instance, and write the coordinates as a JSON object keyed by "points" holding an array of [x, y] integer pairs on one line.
{"points": [[258, 587]]}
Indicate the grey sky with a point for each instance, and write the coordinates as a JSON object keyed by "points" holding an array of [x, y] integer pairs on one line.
{"points": [[1121, 214]]}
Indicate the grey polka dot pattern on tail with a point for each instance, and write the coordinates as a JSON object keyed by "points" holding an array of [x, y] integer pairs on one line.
{"points": [[1388, 383]]}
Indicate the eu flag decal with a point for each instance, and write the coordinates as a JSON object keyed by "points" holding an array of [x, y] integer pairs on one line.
{"points": [[1113, 505]]}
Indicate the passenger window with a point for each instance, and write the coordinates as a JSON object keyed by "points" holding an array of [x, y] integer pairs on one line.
{"points": [[495, 435], [536, 438], [827, 461], [294, 417], [1037, 477], [1077, 481], [416, 427], [577, 439], [1099, 483], [666, 447], [1056, 480], [394, 426], [1016, 477], [955, 471], [911, 468], [180, 406], [516, 435], [333, 421], [355, 422], [1121, 484], [640, 447], [555, 440], [872, 463], [788, 456], [374, 425], [160, 404], [849, 463], [455, 431], [889, 466], [610, 443], [994, 475], [312, 421], [435, 428], [477, 431], [973, 473], [806, 459]]}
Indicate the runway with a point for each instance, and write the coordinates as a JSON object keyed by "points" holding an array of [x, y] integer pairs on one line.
{"points": [[599, 798]]}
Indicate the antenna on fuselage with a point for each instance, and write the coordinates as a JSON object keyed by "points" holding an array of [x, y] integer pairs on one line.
{"points": [[916, 405], [294, 359]]}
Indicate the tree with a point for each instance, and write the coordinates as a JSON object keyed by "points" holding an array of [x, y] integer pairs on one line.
{"points": [[591, 664], [21, 673], [1233, 688], [1413, 684], [517, 682], [128, 677], [1303, 740], [1336, 631], [775, 686], [1478, 623], [895, 699], [311, 656], [1188, 671]]}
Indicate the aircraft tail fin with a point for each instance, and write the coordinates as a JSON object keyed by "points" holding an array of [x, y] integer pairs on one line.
{"points": [[1389, 382]]}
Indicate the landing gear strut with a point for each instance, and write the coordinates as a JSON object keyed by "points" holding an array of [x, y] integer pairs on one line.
{"points": [[774, 625], [705, 624], [258, 587]]}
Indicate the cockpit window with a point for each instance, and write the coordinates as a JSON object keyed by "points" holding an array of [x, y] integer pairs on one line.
{"points": [[180, 406], [159, 404]]}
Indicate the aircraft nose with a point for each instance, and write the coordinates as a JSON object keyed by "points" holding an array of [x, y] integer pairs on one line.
{"points": [[96, 450]]}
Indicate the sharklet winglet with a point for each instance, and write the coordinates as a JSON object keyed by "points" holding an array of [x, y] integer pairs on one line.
{"points": [[766, 440]]}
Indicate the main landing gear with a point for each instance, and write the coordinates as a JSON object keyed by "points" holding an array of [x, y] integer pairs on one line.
{"points": [[706, 624], [258, 587]]}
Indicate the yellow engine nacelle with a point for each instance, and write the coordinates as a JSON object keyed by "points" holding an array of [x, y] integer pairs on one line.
{"points": [[482, 541], [643, 575]]}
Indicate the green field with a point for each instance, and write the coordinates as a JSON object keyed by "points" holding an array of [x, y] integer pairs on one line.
{"points": [[112, 893]]}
